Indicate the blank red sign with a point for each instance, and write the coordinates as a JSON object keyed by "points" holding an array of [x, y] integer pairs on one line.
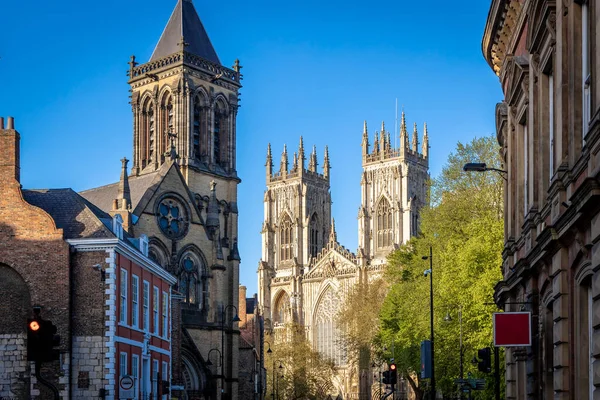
{"points": [[512, 329]]}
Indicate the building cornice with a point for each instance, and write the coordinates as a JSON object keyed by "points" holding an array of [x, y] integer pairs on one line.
{"points": [[120, 247], [497, 37]]}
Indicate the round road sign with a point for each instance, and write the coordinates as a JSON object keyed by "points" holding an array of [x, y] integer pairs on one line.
{"points": [[126, 382]]}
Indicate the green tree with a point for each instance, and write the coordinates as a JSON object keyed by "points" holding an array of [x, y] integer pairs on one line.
{"points": [[300, 372], [465, 229]]}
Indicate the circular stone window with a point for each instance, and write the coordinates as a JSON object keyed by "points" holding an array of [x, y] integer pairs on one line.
{"points": [[172, 217]]}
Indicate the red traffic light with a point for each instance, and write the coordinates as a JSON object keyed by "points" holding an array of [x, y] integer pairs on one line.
{"points": [[392, 367], [34, 326]]}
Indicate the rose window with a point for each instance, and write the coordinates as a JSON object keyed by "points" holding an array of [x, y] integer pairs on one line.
{"points": [[172, 218]]}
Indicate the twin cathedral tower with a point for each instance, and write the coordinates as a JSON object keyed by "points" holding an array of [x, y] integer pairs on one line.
{"points": [[304, 273]]}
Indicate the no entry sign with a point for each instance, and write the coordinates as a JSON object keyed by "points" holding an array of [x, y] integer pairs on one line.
{"points": [[512, 329]]}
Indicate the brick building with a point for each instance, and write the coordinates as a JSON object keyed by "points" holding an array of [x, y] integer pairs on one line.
{"points": [[253, 374], [181, 194], [64, 255], [546, 56]]}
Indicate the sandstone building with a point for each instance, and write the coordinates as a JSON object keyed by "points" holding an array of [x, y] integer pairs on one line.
{"points": [[305, 272], [546, 56]]}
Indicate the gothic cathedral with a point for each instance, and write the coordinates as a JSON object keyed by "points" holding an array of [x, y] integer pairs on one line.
{"points": [[304, 272]]}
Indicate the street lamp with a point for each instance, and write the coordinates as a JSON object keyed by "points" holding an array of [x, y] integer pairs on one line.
{"points": [[448, 318], [280, 367], [235, 319], [482, 167], [273, 378], [430, 273]]}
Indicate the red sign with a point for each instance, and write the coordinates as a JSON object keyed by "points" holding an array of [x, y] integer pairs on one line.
{"points": [[512, 329]]}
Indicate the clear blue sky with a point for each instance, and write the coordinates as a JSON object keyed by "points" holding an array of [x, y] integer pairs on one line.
{"points": [[311, 68]]}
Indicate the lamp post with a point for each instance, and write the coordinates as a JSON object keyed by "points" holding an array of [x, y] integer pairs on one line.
{"points": [[273, 378], [235, 319], [482, 167], [280, 367], [430, 273], [448, 318]]}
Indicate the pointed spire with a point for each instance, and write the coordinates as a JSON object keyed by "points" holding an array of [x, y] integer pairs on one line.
{"points": [[365, 140], [301, 156], [425, 149], [295, 163], [332, 233], [312, 163], [403, 134], [389, 142], [212, 211], [326, 166], [269, 162], [415, 139], [124, 195], [382, 141], [185, 32], [376, 144], [283, 166]]}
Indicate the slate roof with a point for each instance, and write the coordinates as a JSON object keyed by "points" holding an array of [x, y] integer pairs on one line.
{"points": [[103, 196], [75, 215], [184, 22]]}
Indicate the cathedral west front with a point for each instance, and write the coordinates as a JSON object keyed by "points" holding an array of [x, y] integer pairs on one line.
{"points": [[305, 273]]}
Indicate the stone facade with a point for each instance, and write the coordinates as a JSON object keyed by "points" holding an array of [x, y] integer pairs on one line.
{"points": [[305, 273], [548, 126]]}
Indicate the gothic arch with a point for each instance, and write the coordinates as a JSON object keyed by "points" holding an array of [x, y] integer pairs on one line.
{"points": [[158, 252], [384, 223], [167, 119], [15, 307], [325, 327], [194, 378], [286, 237], [192, 276], [220, 131], [148, 128], [281, 307], [314, 242]]}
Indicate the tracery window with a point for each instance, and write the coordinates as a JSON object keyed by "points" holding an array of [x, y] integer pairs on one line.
{"points": [[147, 133], [172, 217], [327, 333], [166, 122], [219, 135], [314, 236], [281, 309], [198, 129], [385, 233], [286, 237], [192, 279]]}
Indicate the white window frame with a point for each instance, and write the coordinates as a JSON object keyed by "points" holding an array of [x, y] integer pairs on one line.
{"points": [[123, 297], [154, 377], [551, 123], [165, 314], [165, 376], [155, 309], [135, 372], [146, 306], [585, 69], [118, 226], [144, 245], [135, 301], [122, 364]]}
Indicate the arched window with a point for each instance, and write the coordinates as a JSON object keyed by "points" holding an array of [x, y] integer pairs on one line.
{"points": [[314, 235], [281, 309], [166, 122], [286, 238], [219, 135], [327, 333], [385, 233], [192, 279], [199, 129], [147, 133]]}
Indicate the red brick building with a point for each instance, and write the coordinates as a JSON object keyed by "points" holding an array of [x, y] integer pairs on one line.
{"points": [[110, 303]]}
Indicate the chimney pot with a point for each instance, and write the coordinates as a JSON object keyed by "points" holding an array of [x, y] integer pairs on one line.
{"points": [[11, 123]]}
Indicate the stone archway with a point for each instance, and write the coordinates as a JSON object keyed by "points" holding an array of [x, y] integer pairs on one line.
{"points": [[15, 308]]}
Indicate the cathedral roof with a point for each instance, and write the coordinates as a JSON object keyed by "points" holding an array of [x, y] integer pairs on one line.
{"points": [[77, 217], [185, 24]]}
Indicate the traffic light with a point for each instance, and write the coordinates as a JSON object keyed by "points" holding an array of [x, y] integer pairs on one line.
{"points": [[42, 340], [33, 338], [387, 378], [485, 360], [393, 373]]}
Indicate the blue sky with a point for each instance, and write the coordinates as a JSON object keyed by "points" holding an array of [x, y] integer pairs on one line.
{"points": [[316, 69]]}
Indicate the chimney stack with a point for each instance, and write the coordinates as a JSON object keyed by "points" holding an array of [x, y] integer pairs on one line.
{"points": [[10, 168]]}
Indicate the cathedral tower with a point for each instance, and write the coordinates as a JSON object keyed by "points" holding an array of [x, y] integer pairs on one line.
{"points": [[393, 190], [296, 227]]}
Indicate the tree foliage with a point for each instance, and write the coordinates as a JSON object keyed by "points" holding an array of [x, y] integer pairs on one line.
{"points": [[300, 372], [464, 227]]}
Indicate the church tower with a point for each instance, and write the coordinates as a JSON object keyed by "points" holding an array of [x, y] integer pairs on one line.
{"points": [[393, 191], [297, 223], [184, 95]]}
